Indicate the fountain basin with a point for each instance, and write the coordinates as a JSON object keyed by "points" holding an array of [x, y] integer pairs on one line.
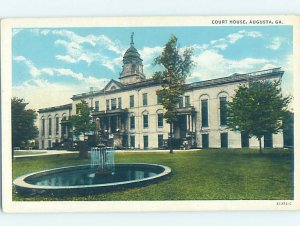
{"points": [[84, 180]]}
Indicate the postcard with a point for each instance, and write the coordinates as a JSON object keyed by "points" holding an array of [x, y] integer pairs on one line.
{"points": [[150, 113]]}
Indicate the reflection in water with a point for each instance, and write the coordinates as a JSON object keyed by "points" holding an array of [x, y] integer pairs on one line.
{"points": [[87, 176]]}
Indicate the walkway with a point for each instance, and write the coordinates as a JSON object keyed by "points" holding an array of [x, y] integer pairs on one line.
{"points": [[61, 152], [44, 152]]}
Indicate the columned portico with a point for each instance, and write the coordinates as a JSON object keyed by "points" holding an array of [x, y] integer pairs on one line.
{"points": [[184, 129], [111, 127]]}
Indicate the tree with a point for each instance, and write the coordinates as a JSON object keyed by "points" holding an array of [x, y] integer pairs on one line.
{"points": [[288, 129], [82, 123], [258, 108], [23, 127], [176, 68]]}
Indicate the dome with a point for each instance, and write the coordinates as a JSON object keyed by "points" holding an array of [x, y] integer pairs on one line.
{"points": [[131, 54]]}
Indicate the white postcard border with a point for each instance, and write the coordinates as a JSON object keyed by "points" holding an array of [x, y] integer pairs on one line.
{"points": [[117, 206]]}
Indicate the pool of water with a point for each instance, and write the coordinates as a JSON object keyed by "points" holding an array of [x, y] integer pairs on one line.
{"points": [[88, 176], [86, 179]]}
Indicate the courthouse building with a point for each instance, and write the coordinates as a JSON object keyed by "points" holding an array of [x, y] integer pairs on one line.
{"points": [[128, 113]]}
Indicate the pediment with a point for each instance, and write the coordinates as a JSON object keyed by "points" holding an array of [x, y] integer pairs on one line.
{"points": [[113, 85]]}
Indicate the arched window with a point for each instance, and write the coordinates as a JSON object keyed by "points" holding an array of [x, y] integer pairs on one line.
{"points": [[133, 68], [43, 126], [63, 125], [56, 124], [223, 99], [204, 110], [49, 125]]}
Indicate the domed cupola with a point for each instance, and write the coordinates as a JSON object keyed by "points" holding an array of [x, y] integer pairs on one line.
{"points": [[132, 65]]}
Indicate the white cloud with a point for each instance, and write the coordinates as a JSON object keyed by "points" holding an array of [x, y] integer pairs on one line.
{"points": [[76, 50], [254, 34], [40, 93], [211, 64], [87, 80], [223, 43], [33, 70], [275, 43], [148, 54], [268, 66], [234, 37], [66, 58], [221, 46]]}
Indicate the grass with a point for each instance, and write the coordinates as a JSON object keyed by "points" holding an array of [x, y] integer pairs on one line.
{"points": [[233, 174], [28, 152]]}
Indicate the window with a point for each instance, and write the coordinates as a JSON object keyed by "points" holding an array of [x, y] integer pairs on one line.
{"points": [[159, 99], [113, 104], [63, 129], [145, 121], [119, 102], [133, 68], [187, 101], [43, 144], [97, 105], [180, 102], [131, 101], [43, 127], [146, 141], [49, 144], [50, 126], [56, 125], [132, 122], [268, 140], [223, 111], [132, 141], [107, 104], [245, 139], [224, 140], [160, 120], [205, 140], [145, 99], [204, 113], [160, 139]]}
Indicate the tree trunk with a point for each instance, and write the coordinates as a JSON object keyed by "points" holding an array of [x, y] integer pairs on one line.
{"points": [[83, 149], [260, 149], [171, 138]]}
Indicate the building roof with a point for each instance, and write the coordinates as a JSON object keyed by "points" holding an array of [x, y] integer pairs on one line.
{"points": [[236, 77], [56, 108], [270, 73]]}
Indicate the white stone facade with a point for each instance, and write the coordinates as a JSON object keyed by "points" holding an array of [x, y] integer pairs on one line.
{"points": [[114, 112]]}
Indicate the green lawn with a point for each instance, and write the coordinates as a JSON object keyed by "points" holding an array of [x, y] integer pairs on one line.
{"points": [[200, 175]]}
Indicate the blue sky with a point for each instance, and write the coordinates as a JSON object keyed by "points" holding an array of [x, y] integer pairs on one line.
{"points": [[50, 65]]}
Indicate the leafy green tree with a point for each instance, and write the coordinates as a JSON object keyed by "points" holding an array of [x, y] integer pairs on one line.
{"points": [[176, 67], [258, 108], [82, 124], [288, 129], [23, 127]]}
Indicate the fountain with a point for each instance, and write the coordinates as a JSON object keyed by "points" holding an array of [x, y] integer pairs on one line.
{"points": [[101, 175], [103, 159]]}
